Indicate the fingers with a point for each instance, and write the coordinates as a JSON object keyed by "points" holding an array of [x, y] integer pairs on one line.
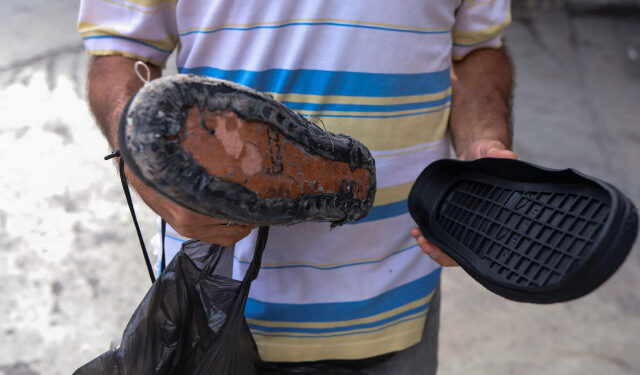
{"points": [[189, 223], [205, 228], [219, 234], [501, 153], [432, 250], [484, 148]]}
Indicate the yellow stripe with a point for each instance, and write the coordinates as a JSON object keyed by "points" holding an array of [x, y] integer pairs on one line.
{"points": [[90, 29], [342, 333], [392, 194], [109, 52], [471, 3], [460, 57], [158, 9], [328, 265], [479, 36], [338, 99], [390, 339], [276, 23], [345, 323], [392, 133], [351, 113], [153, 3], [178, 235]]}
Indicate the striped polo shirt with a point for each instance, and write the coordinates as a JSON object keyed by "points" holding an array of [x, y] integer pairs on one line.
{"points": [[376, 70]]}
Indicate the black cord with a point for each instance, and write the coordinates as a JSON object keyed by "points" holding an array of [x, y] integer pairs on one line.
{"points": [[261, 241], [127, 194], [112, 155]]}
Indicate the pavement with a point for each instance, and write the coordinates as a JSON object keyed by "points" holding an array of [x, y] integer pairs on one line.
{"points": [[71, 269], [576, 104]]}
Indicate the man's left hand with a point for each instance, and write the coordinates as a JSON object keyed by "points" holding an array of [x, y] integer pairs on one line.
{"points": [[477, 150]]}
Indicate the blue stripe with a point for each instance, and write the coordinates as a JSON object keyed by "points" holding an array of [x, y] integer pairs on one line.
{"points": [[129, 39], [331, 267], [377, 323], [384, 211], [387, 116], [340, 311], [159, 266], [324, 82], [364, 107], [174, 238], [382, 28], [340, 334]]}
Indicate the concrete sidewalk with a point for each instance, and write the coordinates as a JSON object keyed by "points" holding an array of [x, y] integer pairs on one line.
{"points": [[72, 273]]}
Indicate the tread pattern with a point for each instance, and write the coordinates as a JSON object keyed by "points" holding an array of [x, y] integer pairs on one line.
{"points": [[528, 238]]}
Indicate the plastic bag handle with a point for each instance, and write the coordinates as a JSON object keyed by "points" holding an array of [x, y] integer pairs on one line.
{"points": [[254, 267], [163, 232]]}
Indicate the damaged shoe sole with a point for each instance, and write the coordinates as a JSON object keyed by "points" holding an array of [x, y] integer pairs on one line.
{"points": [[227, 151], [527, 233]]}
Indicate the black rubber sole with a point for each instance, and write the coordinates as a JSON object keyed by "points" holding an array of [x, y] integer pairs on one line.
{"points": [[149, 138], [527, 233]]}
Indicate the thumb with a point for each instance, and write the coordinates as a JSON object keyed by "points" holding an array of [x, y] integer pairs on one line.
{"points": [[495, 152]]}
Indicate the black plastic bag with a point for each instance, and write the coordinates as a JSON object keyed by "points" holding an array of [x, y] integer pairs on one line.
{"points": [[190, 322]]}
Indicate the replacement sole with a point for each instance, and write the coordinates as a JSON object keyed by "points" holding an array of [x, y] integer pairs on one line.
{"points": [[231, 152], [527, 233]]}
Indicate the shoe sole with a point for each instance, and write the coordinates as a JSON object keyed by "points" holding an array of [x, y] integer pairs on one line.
{"points": [[525, 232], [227, 151]]}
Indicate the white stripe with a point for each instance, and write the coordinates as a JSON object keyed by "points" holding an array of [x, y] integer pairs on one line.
{"points": [[406, 53], [368, 281], [343, 284], [337, 244], [396, 170], [424, 15], [290, 244]]}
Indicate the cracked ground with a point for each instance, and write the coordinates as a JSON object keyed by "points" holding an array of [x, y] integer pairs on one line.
{"points": [[71, 272]]}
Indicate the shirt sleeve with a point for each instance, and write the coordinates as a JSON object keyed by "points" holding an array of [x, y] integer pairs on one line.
{"points": [[141, 29], [479, 24]]}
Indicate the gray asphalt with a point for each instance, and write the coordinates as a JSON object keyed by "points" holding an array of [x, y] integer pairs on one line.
{"points": [[71, 269]]}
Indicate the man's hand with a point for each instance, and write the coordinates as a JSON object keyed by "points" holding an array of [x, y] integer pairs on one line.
{"points": [[481, 149], [112, 81], [190, 223], [480, 118]]}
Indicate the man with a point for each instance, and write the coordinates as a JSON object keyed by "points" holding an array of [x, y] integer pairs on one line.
{"points": [[379, 71]]}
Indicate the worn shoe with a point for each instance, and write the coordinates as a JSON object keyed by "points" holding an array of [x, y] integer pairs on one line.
{"points": [[527, 233], [231, 152]]}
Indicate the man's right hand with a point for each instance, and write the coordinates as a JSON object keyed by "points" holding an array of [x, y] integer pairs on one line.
{"points": [[190, 223], [111, 82]]}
